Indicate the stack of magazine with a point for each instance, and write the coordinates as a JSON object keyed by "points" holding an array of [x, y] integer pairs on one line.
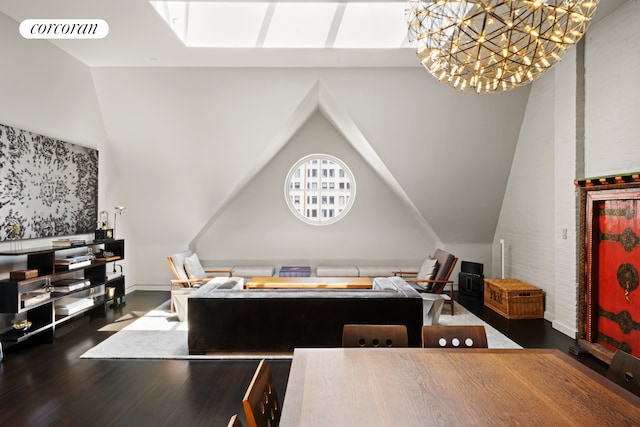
{"points": [[70, 263], [34, 298], [69, 305], [64, 286], [65, 243]]}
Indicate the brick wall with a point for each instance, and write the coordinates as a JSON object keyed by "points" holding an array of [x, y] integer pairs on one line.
{"points": [[540, 200], [526, 221], [612, 112], [561, 299]]}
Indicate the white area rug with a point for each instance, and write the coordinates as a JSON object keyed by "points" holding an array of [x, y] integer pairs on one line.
{"points": [[159, 335], [462, 316]]}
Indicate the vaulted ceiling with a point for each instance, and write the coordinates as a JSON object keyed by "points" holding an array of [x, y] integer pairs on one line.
{"points": [[447, 154]]}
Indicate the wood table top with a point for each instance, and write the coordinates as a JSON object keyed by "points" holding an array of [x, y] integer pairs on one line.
{"points": [[309, 283], [423, 387]]}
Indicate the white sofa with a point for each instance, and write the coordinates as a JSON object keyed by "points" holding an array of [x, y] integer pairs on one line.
{"points": [[180, 296]]}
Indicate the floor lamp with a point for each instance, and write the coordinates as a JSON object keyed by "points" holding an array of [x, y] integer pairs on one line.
{"points": [[119, 210], [502, 258]]}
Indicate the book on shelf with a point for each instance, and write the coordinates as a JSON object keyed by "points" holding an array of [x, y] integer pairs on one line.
{"points": [[70, 285], [63, 267], [33, 298], [72, 259], [64, 243], [113, 275], [68, 306]]}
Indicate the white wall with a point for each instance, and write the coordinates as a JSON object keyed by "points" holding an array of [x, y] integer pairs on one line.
{"points": [[259, 225], [540, 200], [185, 138], [46, 91]]}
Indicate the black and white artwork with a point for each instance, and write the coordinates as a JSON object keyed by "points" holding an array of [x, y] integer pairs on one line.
{"points": [[48, 187]]}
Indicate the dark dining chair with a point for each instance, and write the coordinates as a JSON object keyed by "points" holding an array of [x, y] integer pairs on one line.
{"points": [[375, 336], [260, 402], [462, 336], [625, 371], [235, 421]]}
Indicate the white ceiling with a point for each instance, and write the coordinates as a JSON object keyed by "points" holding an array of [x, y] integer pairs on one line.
{"points": [[139, 37]]}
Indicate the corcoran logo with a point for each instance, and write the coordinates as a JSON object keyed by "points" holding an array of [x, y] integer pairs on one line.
{"points": [[64, 29]]}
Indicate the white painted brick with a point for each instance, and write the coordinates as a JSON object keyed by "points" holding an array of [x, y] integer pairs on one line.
{"points": [[613, 96], [540, 199]]}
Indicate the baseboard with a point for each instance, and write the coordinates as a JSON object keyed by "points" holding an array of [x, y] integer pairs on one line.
{"points": [[565, 329], [569, 331]]}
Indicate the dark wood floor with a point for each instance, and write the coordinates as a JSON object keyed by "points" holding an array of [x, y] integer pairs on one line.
{"points": [[49, 385], [529, 333]]}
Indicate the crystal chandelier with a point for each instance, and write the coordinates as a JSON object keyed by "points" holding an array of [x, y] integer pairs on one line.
{"points": [[492, 45]]}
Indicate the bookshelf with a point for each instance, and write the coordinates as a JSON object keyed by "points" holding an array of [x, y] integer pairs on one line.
{"points": [[67, 285]]}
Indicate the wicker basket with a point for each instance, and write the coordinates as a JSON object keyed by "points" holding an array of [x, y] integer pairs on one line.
{"points": [[513, 298]]}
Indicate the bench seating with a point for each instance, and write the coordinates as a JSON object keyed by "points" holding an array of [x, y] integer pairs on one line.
{"points": [[248, 271]]}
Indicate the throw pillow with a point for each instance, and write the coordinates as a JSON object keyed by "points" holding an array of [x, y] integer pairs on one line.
{"points": [[193, 267], [428, 269]]}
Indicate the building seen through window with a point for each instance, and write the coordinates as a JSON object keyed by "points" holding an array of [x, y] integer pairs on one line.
{"points": [[320, 189]]}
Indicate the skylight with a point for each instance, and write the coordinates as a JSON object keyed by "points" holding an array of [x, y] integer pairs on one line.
{"points": [[373, 25], [287, 24]]}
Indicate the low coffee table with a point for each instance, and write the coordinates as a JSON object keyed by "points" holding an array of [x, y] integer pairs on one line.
{"points": [[308, 283]]}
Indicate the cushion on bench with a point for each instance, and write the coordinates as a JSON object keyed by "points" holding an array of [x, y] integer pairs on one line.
{"points": [[254, 270], [337, 271]]}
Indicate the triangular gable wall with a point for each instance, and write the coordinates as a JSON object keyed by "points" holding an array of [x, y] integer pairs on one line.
{"points": [[319, 99]]}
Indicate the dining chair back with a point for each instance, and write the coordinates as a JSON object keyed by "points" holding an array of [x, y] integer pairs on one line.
{"points": [[459, 336], [260, 402], [235, 421], [625, 371], [375, 336]]}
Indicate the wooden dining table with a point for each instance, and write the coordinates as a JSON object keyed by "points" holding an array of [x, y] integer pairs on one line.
{"points": [[346, 387]]}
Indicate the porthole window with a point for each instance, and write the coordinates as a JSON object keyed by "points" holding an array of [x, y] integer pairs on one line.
{"points": [[320, 189]]}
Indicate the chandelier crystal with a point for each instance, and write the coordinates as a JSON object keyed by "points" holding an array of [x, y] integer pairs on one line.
{"points": [[492, 45]]}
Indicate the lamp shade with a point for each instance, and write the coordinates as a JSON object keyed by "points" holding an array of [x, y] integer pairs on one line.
{"points": [[494, 46]]}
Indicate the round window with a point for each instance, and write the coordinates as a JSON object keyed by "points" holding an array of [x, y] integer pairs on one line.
{"points": [[320, 189]]}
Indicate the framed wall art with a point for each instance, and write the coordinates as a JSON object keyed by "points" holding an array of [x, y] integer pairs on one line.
{"points": [[48, 187]]}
